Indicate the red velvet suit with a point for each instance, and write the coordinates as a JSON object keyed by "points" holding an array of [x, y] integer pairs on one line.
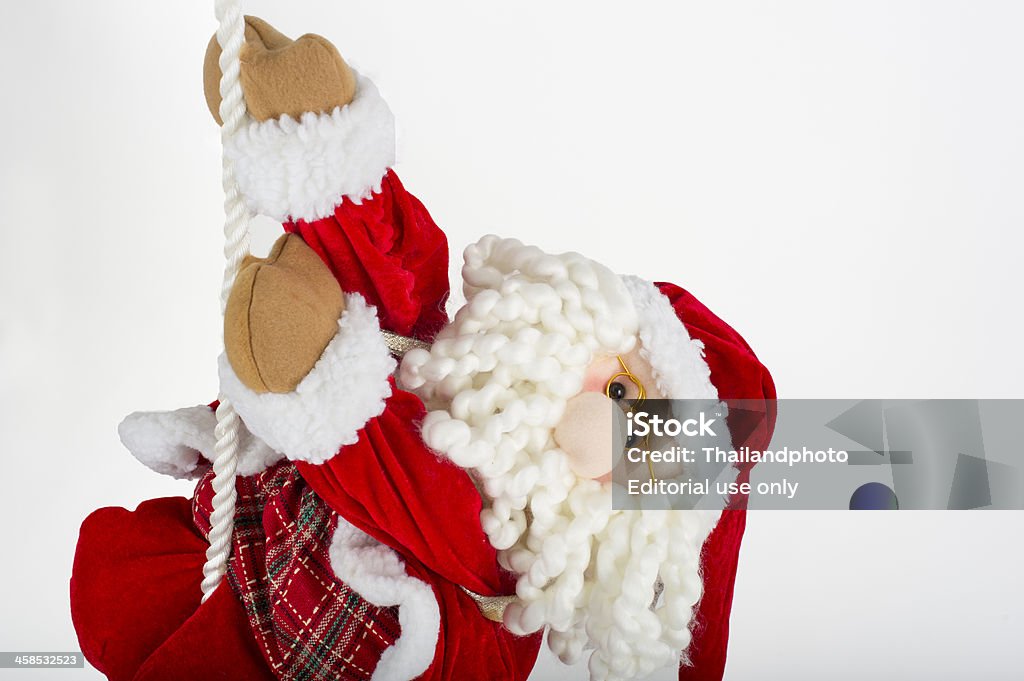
{"points": [[135, 588]]}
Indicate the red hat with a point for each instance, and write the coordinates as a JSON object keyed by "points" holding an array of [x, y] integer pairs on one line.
{"points": [[694, 354], [680, 331]]}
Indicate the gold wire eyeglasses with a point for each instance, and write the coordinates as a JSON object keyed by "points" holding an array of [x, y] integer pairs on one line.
{"points": [[616, 391]]}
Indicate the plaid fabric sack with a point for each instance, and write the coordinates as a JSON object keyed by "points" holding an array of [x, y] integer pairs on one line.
{"points": [[309, 625]]}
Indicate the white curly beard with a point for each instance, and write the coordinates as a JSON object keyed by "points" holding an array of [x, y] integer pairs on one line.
{"points": [[496, 382]]}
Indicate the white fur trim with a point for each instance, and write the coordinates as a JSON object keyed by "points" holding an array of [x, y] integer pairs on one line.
{"points": [[676, 359], [170, 442], [376, 573], [303, 169], [678, 364], [345, 389], [181, 443]]}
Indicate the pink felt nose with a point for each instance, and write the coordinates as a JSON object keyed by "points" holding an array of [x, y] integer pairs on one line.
{"points": [[586, 434]]}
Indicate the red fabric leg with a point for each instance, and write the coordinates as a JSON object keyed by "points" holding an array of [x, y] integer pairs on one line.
{"points": [[135, 580], [215, 644], [135, 595]]}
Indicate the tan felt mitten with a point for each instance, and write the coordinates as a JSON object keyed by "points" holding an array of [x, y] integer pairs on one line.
{"points": [[282, 312], [281, 75]]}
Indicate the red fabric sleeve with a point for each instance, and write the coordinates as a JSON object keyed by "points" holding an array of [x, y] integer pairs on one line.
{"points": [[388, 249], [391, 486]]}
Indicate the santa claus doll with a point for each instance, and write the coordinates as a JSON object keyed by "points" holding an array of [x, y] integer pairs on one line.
{"points": [[312, 330], [379, 538]]}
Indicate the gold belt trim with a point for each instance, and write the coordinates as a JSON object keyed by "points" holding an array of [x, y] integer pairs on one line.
{"points": [[491, 607], [399, 345]]}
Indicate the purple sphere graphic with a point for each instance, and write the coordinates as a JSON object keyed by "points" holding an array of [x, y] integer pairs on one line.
{"points": [[874, 496]]}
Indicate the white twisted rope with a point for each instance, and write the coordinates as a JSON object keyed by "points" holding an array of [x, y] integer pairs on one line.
{"points": [[231, 37]]}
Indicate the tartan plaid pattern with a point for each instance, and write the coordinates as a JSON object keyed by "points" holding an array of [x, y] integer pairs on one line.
{"points": [[309, 625]]}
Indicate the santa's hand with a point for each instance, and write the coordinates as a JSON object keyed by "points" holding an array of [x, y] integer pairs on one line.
{"points": [[282, 312], [305, 365], [282, 76]]}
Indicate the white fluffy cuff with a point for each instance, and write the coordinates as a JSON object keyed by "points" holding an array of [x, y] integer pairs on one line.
{"points": [[377, 574], [677, 360], [181, 443], [346, 388], [302, 170]]}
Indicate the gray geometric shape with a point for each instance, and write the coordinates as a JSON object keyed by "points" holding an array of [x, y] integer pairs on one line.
{"points": [[862, 457], [1006, 484], [970, 487], [899, 457], [862, 423], [938, 432]]}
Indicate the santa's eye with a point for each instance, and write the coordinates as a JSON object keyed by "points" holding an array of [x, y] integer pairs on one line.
{"points": [[616, 391]]}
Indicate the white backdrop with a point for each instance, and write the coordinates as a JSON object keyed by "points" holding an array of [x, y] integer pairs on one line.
{"points": [[841, 181]]}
